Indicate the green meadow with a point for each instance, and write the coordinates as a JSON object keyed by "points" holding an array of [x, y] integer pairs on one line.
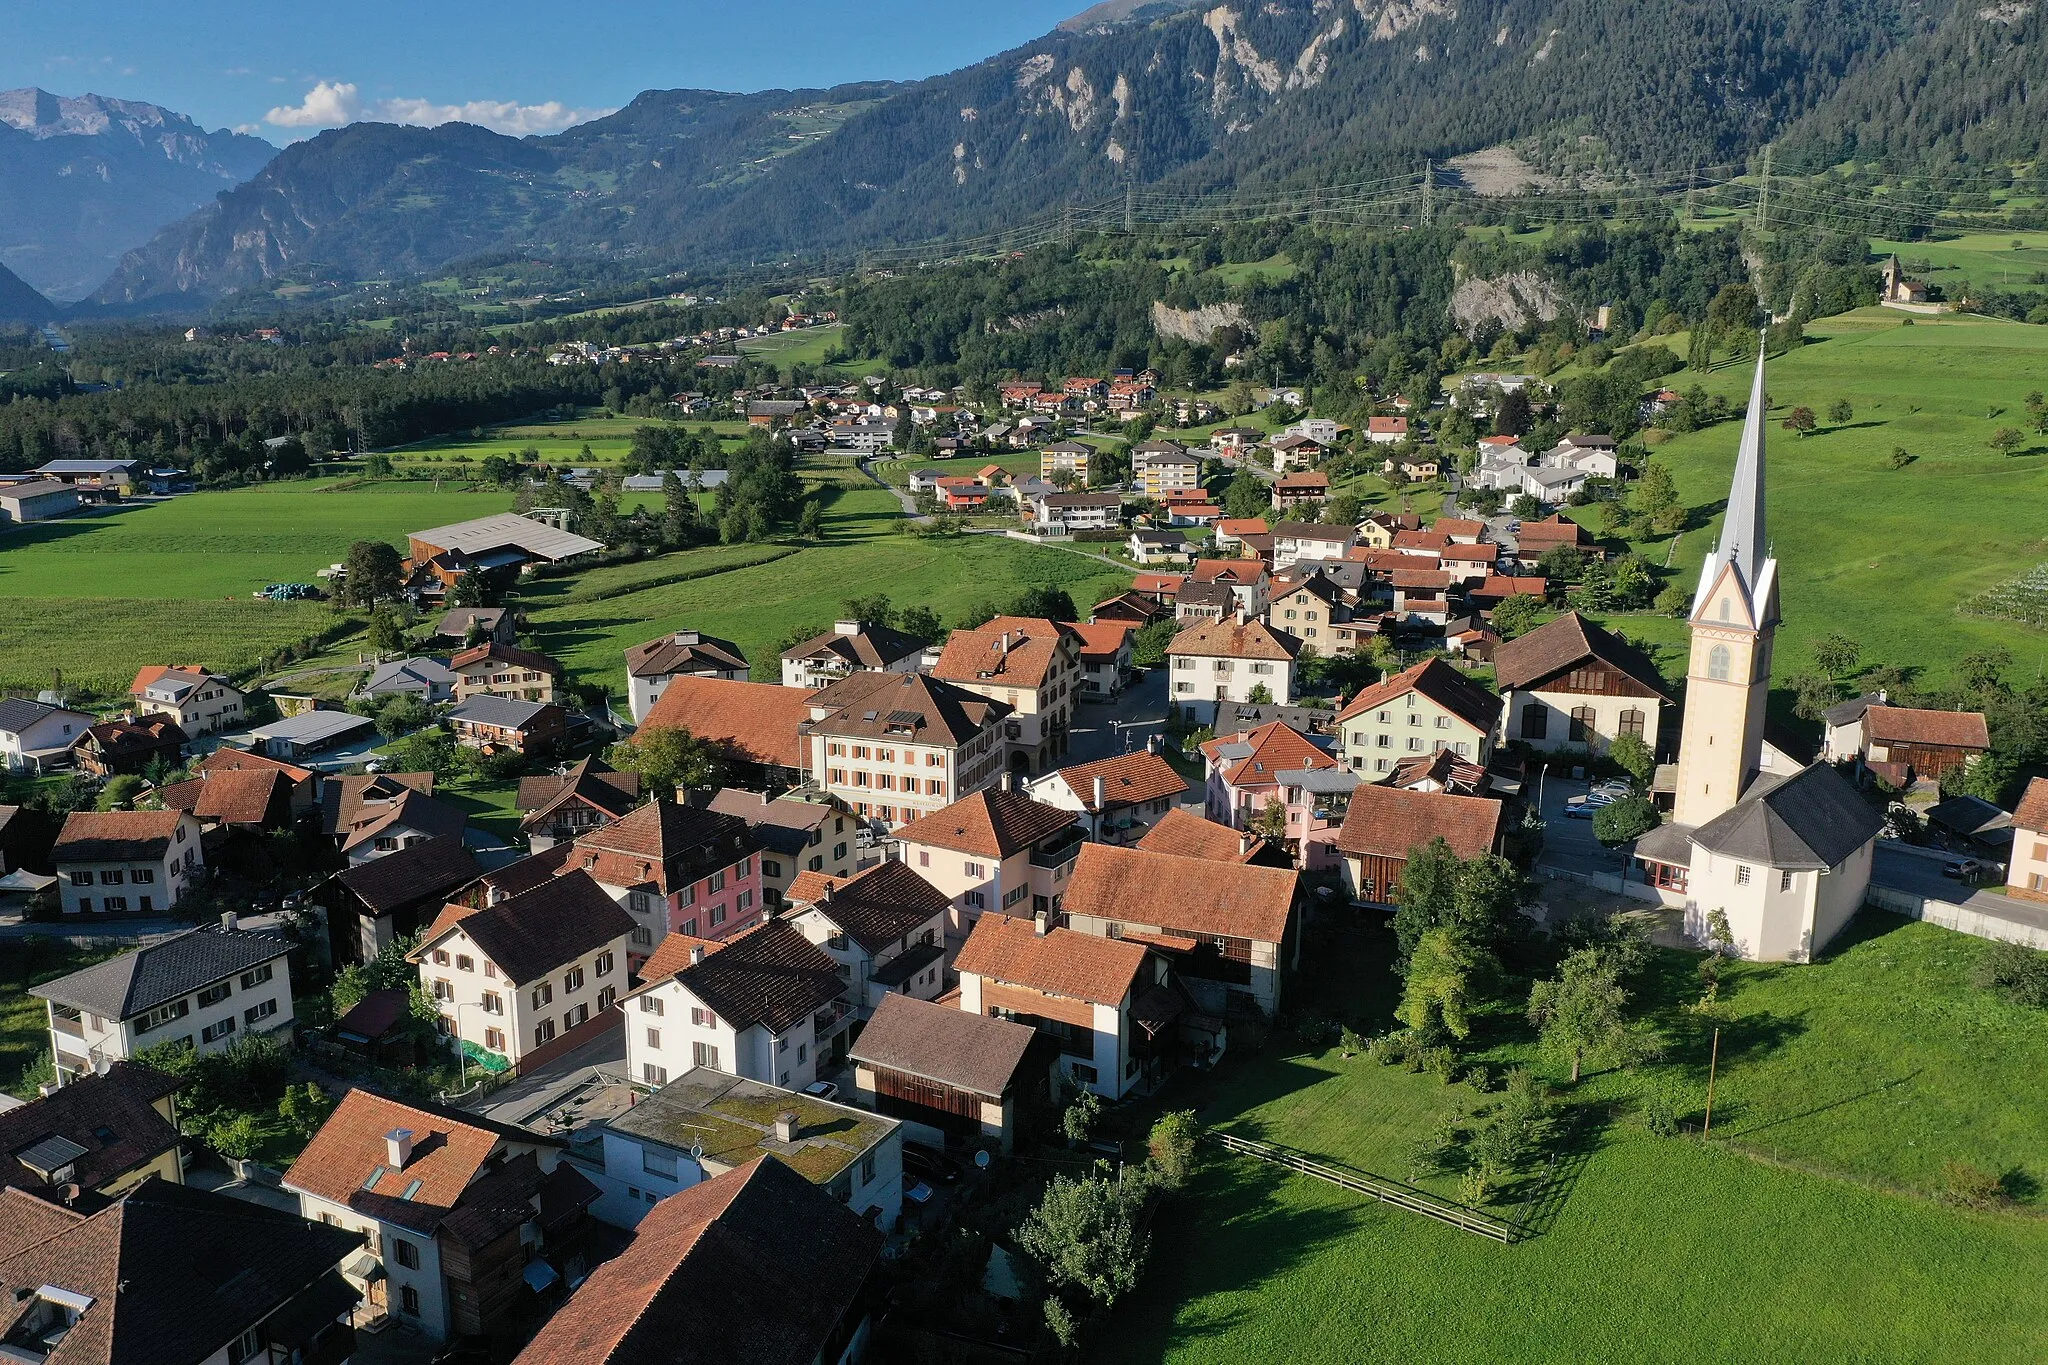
{"points": [[1802, 1230], [1882, 555]]}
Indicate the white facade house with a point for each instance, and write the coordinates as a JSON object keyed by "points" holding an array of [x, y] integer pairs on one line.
{"points": [[850, 647], [35, 735], [651, 667], [205, 988], [705, 1123], [884, 929], [1229, 660], [995, 851], [127, 862], [759, 1005], [536, 970], [202, 703], [1569, 684]]}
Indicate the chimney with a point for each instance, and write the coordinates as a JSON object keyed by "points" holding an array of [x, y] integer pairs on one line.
{"points": [[785, 1127], [1244, 844], [398, 1148], [1005, 643], [696, 954], [1009, 780], [1098, 793], [1040, 922], [229, 921]]}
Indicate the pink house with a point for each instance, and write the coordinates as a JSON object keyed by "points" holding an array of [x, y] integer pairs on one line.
{"points": [[1244, 771], [679, 870], [1316, 800]]}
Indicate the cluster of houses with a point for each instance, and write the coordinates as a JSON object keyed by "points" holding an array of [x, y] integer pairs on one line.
{"points": [[590, 353]]}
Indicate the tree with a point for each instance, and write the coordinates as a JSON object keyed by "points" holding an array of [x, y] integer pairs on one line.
{"points": [[1149, 642], [1085, 1233], [1247, 496], [810, 523], [428, 751], [1841, 411], [667, 757], [920, 622], [1045, 602], [1518, 615], [373, 573], [1482, 896], [1800, 421], [2037, 411], [1172, 1147], [402, 715], [387, 632], [1633, 756], [2007, 440], [1441, 982], [1580, 1015], [1270, 823], [1900, 457], [304, 1108], [1078, 1119], [1624, 821], [1815, 694], [120, 792], [1260, 695], [377, 466], [1525, 508], [1656, 491], [1836, 654]]}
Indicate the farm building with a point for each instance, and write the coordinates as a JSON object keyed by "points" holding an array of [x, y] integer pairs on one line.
{"points": [[40, 500], [500, 541], [309, 732]]}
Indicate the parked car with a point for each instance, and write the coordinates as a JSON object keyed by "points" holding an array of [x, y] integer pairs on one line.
{"points": [[918, 1193], [1590, 801], [928, 1165], [822, 1090], [1582, 811], [1962, 869], [1620, 788]]}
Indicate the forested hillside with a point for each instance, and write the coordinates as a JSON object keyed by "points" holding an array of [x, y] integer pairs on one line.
{"points": [[1234, 97]]}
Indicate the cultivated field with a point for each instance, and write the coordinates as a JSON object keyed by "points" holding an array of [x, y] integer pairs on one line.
{"points": [[1877, 1064]]}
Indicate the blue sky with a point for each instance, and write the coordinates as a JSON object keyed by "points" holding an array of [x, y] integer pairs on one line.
{"points": [[285, 68]]}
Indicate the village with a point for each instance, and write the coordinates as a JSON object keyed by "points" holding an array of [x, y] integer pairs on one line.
{"points": [[825, 962]]}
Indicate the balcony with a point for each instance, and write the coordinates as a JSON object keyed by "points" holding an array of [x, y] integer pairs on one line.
{"points": [[73, 1028]]}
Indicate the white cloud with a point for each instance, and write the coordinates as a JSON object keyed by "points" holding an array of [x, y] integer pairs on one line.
{"points": [[327, 105], [331, 104]]}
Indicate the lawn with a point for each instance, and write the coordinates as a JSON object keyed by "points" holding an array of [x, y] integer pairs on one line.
{"points": [[587, 439], [1877, 1063], [758, 607], [1987, 260], [24, 1020], [805, 347], [1884, 555]]}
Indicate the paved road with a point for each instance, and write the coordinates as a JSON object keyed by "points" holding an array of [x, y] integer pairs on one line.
{"points": [[1103, 729], [1918, 874], [138, 928]]}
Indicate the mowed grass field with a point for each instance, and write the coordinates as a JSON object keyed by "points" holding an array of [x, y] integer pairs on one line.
{"points": [[1802, 1231], [1987, 260], [758, 607], [560, 443], [1882, 555]]}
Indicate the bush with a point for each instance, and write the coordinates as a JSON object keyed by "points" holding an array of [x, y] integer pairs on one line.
{"points": [[1659, 1111], [1078, 1120], [1624, 821], [1440, 1150], [1441, 1063], [235, 1137], [1059, 1320], [1971, 1187], [1387, 1049], [1350, 1041], [1172, 1146], [2018, 973]]}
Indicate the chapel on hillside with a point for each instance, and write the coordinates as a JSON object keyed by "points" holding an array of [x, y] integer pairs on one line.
{"points": [[1784, 851]]}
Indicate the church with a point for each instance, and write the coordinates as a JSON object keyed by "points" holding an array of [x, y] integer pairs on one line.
{"points": [[1783, 851]]}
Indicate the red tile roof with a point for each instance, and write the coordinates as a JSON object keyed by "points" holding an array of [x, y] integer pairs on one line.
{"points": [[1388, 822], [1235, 900], [1102, 641], [1439, 682], [1555, 530], [1230, 640], [1275, 748], [244, 796], [1191, 836], [1943, 729], [757, 722], [337, 1164], [115, 836], [504, 654], [1010, 651], [994, 824], [1458, 526], [2032, 812], [1229, 570], [1059, 962]]}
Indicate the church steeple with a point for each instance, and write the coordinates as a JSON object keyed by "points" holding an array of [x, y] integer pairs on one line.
{"points": [[1734, 623], [1743, 543]]}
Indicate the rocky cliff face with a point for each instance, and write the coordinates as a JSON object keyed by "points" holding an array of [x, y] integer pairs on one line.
{"points": [[83, 180]]}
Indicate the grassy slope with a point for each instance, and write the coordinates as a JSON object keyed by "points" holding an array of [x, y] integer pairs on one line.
{"points": [[1877, 1063], [1986, 260], [1884, 556]]}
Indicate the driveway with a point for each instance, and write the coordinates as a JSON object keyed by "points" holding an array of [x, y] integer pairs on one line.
{"points": [[1569, 843], [1900, 868], [1104, 729]]}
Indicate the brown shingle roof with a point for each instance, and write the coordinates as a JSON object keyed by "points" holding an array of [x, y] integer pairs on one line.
{"points": [[114, 836], [1387, 822], [1230, 640], [877, 907], [1010, 651], [754, 1267], [1557, 645], [908, 707], [757, 722], [874, 646], [113, 1117], [971, 1052], [770, 975], [1228, 570], [994, 824], [590, 780], [115, 738], [224, 758], [2032, 812], [342, 798], [531, 934], [1059, 962], [684, 651], [244, 796], [504, 654], [426, 870], [1190, 836], [1139, 886], [1439, 682], [1127, 780], [1909, 725], [1550, 532], [1275, 748]]}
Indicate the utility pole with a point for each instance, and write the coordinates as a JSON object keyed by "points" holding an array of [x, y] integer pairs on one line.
{"points": [[1428, 191], [1692, 180], [1066, 225], [1713, 1064], [1130, 204], [1763, 198]]}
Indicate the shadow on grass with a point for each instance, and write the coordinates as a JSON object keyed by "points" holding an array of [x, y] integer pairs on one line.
{"points": [[1583, 1132], [1869, 1092]]}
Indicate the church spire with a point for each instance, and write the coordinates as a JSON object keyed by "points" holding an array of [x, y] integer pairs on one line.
{"points": [[1743, 543]]}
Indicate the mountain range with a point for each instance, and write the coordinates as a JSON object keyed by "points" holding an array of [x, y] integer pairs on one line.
{"points": [[19, 303], [1169, 94], [89, 178]]}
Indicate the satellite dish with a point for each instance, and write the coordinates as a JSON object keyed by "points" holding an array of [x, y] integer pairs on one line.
{"points": [[696, 1151], [981, 1157]]}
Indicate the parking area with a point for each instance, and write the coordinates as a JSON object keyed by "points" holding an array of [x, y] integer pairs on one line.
{"points": [[1568, 841]]}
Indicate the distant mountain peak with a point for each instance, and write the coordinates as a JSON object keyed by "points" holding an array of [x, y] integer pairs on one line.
{"points": [[1113, 12]]}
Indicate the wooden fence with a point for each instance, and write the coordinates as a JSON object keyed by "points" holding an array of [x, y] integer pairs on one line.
{"points": [[1373, 1187]]}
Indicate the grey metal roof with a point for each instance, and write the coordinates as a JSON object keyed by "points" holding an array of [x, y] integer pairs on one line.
{"points": [[408, 675], [310, 726], [17, 714], [504, 712], [1813, 819], [1846, 712], [508, 529], [1320, 779], [125, 986]]}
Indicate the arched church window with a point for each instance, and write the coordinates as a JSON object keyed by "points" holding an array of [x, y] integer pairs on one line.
{"points": [[1717, 662]]}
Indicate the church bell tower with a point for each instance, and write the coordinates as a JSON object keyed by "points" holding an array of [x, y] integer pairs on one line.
{"points": [[1734, 622]]}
